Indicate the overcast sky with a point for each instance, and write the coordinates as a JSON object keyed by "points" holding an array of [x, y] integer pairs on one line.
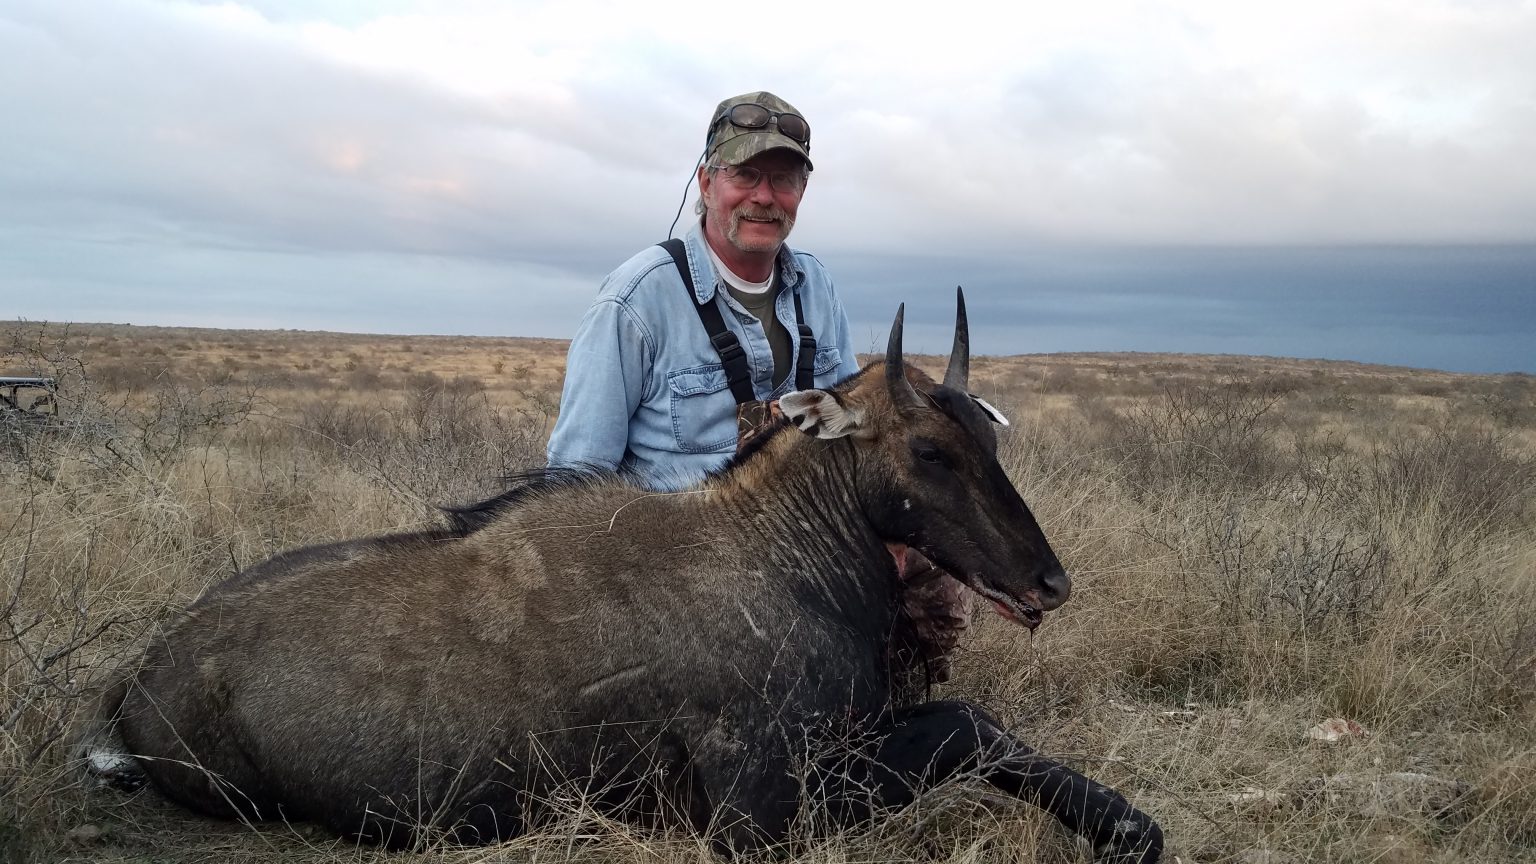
{"points": [[1340, 179]]}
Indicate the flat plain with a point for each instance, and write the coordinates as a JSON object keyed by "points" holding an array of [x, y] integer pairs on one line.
{"points": [[1303, 625]]}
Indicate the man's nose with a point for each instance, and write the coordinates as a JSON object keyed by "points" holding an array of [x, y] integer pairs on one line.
{"points": [[762, 193]]}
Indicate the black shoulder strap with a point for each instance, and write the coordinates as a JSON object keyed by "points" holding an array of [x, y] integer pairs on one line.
{"points": [[737, 373], [805, 368]]}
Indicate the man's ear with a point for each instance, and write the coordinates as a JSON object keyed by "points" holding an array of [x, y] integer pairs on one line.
{"points": [[819, 414]]}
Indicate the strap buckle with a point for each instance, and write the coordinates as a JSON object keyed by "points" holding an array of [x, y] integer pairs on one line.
{"points": [[727, 346], [805, 368]]}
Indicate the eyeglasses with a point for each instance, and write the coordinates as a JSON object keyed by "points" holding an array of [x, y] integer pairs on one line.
{"points": [[754, 116], [747, 177]]}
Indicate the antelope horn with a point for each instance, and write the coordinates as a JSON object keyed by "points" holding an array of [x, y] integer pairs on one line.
{"points": [[959, 371], [895, 370]]}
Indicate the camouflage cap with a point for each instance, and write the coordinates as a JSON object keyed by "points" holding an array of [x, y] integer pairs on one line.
{"points": [[732, 145]]}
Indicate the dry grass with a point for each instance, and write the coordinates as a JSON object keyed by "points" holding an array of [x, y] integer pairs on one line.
{"points": [[1258, 545]]}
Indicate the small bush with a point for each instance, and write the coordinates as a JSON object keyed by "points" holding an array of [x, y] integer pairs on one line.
{"points": [[365, 379], [1510, 400], [1211, 435], [1466, 479]]}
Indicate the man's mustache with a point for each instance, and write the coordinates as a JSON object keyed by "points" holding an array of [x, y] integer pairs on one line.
{"points": [[747, 211]]}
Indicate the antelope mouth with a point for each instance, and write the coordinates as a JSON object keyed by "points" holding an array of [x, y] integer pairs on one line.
{"points": [[1019, 613], [1015, 609]]}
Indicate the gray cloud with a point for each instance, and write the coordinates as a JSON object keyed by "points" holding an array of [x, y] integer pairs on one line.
{"points": [[361, 166]]}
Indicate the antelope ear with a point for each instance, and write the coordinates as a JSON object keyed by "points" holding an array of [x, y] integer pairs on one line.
{"points": [[818, 413], [991, 411]]}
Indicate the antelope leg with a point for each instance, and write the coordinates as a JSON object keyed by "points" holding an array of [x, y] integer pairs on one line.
{"points": [[928, 744]]}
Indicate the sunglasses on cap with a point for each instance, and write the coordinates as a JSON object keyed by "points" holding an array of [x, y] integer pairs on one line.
{"points": [[754, 116]]}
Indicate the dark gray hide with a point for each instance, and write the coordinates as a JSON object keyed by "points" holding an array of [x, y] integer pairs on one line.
{"points": [[717, 657]]}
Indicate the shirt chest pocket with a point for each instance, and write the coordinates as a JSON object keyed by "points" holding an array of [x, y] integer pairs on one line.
{"points": [[703, 410], [825, 371]]}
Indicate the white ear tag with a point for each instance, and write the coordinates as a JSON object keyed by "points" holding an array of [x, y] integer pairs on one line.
{"points": [[996, 415]]}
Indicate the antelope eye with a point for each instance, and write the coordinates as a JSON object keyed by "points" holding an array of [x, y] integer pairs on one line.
{"points": [[928, 453]]}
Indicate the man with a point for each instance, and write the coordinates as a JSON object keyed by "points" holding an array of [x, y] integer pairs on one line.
{"points": [[647, 390]]}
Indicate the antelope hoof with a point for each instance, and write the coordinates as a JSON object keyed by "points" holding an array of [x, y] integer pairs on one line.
{"points": [[1134, 839]]}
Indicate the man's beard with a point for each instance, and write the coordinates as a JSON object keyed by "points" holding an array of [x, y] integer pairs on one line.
{"points": [[786, 223]]}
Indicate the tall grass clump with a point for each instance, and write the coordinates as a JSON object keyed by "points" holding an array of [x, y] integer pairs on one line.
{"points": [[1253, 566]]}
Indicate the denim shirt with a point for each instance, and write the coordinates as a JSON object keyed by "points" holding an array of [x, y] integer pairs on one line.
{"points": [[644, 389]]}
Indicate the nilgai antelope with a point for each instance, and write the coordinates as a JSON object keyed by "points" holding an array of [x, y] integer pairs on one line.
{"points": [[719, 657]]}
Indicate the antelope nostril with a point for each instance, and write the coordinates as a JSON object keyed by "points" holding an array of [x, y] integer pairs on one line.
{"points": [[1056, 587]]}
